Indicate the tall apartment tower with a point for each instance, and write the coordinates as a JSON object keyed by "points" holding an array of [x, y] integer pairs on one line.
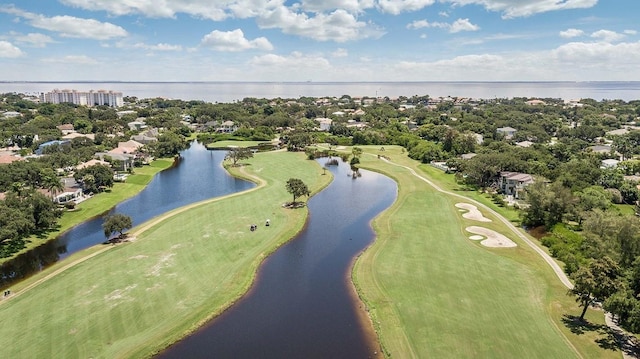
{"points": [[90, 99]]}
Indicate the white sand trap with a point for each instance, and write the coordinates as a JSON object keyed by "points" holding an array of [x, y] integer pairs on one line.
{"points": [[476, 237], [494, 239], [472, 212]]}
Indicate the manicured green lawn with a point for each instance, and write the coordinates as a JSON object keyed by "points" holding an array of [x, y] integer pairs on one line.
{"points": [[434, 293], [226, 144], [136, 298]]}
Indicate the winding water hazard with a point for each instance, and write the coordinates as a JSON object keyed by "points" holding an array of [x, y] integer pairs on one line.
{"points": [[303, 304], [197, 175]]}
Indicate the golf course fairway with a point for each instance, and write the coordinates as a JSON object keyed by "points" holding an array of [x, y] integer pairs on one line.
{"points": [[434, 293], [134, 299], [430, 290]]}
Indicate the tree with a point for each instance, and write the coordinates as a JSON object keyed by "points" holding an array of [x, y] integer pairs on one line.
{"points": [[297, 188], [590, 198], [95, 177], [169, 144], [595, 282], [548, 204], [236, 154], [356, 151], [116, 223], [51, 182]]}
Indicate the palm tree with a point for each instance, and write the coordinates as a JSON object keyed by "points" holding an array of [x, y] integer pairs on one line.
{"points": [[51, 182]]}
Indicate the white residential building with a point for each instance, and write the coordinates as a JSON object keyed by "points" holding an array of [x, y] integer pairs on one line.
{"points": [[82, 98], [513, 183]]}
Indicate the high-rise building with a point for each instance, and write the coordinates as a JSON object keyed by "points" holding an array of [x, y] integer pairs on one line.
{"points": [[90, 99]]}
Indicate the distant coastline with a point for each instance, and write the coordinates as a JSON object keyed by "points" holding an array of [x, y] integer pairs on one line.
{"points": [[230, 91], [314, 82]]}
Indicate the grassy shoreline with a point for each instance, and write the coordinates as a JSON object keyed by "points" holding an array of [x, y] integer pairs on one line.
{"points": [[137, 298], [422, 294], [422, 305], [99, 204]]}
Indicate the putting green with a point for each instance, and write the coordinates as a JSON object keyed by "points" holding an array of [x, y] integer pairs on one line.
{"points": [[136, 298]]}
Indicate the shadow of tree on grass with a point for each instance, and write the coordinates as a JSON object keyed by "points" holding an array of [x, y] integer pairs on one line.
{"points": [[607, 339]]}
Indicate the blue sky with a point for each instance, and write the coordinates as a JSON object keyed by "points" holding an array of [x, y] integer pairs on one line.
{"points": [[319, 40]]}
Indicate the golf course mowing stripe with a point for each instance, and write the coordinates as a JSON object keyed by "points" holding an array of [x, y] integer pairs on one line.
{"points": [[470, 302], [195, 263]]}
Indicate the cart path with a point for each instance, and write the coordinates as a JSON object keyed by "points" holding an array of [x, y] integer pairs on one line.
{"points": [[136, 232], [629, 346]]}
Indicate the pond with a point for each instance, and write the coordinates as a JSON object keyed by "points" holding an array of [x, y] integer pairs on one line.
{"points": [[197, 175], [302, 304]]}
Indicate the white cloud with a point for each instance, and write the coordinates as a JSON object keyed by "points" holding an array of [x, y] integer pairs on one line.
{"points": [[294, 61], [158, 47], [463, 25], [234, 41], [572, 61], [69, 26], [607, 36], [213, 10], [340, 52], [418, 24], [599, 54], [338, 26], [73, 59], [569, 33], [354, 6], [396, 7], [520, 8], [7, 49], [456, 26], [630, 32], [33, 39]]}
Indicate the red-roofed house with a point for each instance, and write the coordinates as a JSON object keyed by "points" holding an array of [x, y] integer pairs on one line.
{"points": [[6, 159]]}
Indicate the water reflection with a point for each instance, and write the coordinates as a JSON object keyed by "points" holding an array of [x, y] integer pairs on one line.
{"points": [[197, 175], [301, 304]]}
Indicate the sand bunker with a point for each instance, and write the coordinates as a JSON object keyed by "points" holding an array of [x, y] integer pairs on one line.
{"points": [[473, 212], [493, 238]]}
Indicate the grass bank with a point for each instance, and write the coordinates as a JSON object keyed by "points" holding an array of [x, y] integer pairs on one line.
{"points": [[432, 292], [228, 143], [136, 298], [100, 203]]}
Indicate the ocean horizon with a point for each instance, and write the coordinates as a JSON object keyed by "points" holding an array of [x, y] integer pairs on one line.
{"points": [[230, 91]]}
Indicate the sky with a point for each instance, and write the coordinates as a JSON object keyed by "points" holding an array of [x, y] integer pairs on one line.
{"points": [[319, 40]]}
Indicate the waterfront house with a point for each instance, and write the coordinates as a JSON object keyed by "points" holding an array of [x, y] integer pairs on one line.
{"points": [[119, 161], [227, 127], [92, 163], [514, 183]]}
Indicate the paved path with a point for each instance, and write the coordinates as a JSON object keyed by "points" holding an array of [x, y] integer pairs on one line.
{"points": [[628, 344], [135, 232]]}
